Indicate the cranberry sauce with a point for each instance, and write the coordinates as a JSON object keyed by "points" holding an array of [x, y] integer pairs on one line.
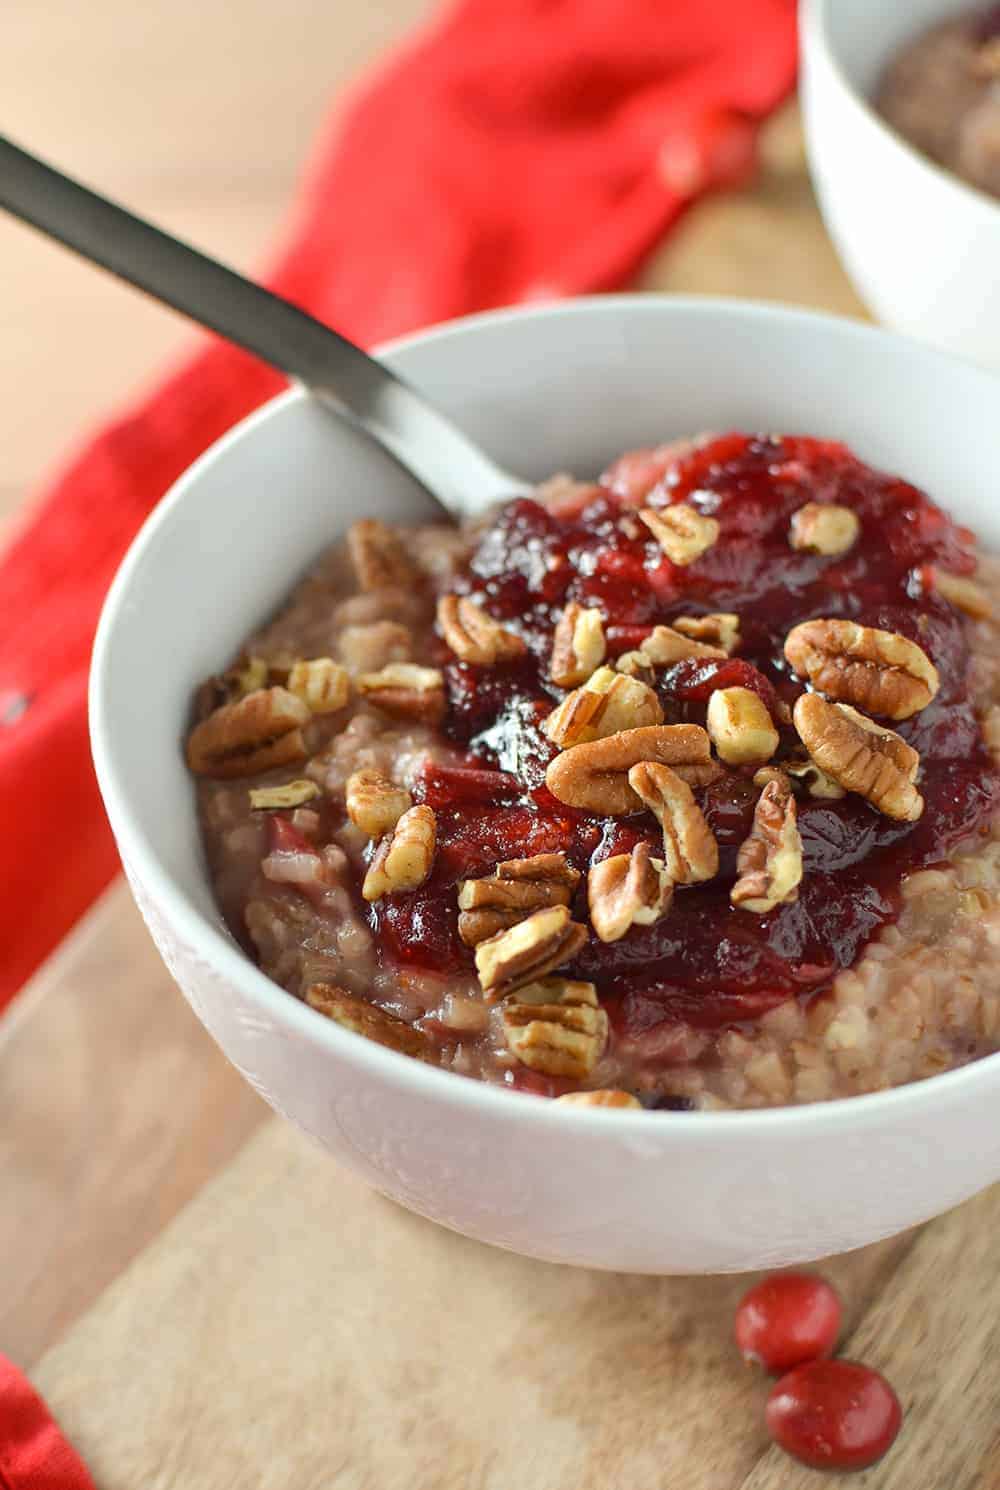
{"points": [[704, 962]]}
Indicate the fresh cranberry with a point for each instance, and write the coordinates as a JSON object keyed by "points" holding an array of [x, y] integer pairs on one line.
{"points": [[833, 1415], [786, 1320]]}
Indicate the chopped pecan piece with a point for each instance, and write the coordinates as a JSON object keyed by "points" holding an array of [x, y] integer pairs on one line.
{"points": [[473, 635], [322, 684], [246, 677], [595, 776], [520, 954], [556, 1026], [516, 889], [274, 798], [578, 645], [740, 726], [366, 1019], [769, 864], [824, 528], [690, 851], [628, 890], [607, 1097], [374, 802], [664, 645], [863, 756], [379, 558], [404, 858], [607, 703], [963, 593], [405, 690], [816, 782], [878, 671], [682, 533], [718, 629], [364, 648], [255, 734]]}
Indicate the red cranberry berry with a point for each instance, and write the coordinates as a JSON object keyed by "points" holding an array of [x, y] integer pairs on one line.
{"points": [[786, 1320], [833, 1415]]}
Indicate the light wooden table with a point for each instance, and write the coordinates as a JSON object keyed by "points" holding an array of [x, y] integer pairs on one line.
{"points": [[114, 1105]]}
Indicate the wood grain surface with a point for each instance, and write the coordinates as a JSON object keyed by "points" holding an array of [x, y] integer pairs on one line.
{"points": [[292, 1330]]}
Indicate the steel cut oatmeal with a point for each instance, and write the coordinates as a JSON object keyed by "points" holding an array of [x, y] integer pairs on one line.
{"points": [[676, 789]]}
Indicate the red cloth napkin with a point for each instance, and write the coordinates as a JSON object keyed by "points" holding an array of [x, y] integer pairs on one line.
{"points": [[514, 150], [33, 1453]]}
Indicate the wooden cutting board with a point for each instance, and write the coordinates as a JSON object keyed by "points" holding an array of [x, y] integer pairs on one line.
{"points": [[292, 1330]]}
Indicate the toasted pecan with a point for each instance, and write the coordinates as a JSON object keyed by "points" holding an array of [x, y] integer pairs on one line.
{"points": [[863, 756], [605, 1097], [663, 646], [473, 635], [378, 555], [405, 690], [578, 645], [405, 856], [363, 1018], [276, 798], [516, 889], [594, 776], [877, 671], [824, 528], [628, 890], [545, 940], [683, 533], [717, 629], [323, 685], [254, 734], [740, 726], [690, 851], [963, 593], [769, 864], [556, 1026], [374, 802], [607, 703]]}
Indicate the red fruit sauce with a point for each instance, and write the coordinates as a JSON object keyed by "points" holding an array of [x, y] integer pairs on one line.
{"points": [[705, 963]]}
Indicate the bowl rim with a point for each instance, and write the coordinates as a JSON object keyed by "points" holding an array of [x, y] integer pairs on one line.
{"points": [[227, 960], [815, 37]]}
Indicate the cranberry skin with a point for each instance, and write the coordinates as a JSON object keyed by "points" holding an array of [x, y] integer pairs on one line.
{"points": [[786, 1320], [833, 1415]]}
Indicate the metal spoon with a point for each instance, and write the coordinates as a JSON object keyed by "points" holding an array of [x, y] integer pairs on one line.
{"points": [[457, 474]]}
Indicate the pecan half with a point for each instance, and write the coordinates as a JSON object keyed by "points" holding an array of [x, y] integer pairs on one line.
{"points": [[862, 756], [664, 645], [769, 864], [595, 776], [628, 890], [816, 782], [473, 635], [404, 858], [578, 645], [522, 953], [607, 1097], [963, 593], [690, 851], [379, 558], [824, 528], [255, 734], [515, 889], [607, 703], [740, 726], [366, 1019], [878, 671], [274, 798], [718, 629], [322, 684], [556, 1026], [405, 690], [682, 533], [374, 802]]}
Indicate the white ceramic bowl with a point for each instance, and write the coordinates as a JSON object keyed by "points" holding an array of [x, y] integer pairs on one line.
{"points": [[921, 247], [543, 389]]}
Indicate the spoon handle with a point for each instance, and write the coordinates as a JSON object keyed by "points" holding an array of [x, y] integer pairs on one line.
{"points": [[455, 471]]}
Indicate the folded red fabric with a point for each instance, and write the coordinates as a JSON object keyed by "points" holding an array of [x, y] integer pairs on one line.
{"points": [[33, 1453], [514, 150]]}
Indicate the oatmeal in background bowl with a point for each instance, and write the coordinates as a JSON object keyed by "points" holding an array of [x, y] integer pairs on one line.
{"points": [[942, 93], [676, 789]]}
